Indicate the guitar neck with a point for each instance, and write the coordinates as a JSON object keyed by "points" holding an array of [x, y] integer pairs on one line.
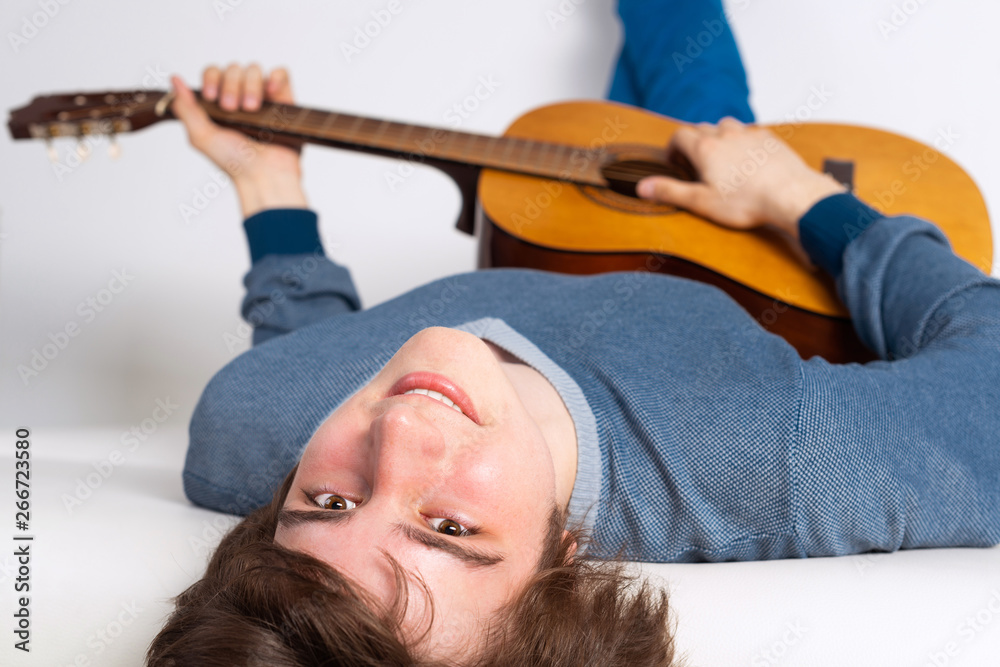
{"points": [[525, 156]]}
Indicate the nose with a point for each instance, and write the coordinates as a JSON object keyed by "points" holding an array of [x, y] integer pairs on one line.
{"points": [[409, 448]]}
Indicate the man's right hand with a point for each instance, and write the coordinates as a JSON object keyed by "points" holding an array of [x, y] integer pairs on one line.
{"points": [[265, 175], [777, 189]]}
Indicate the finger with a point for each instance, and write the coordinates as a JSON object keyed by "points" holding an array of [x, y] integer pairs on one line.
{"points": [[729, 124], [210, 83], [279, 87], [684, 140], [191, 114], [666, 190], [232, 83], [253, 88]]}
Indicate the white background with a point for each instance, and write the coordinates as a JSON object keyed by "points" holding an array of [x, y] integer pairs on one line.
{"points": [[163, 336]]}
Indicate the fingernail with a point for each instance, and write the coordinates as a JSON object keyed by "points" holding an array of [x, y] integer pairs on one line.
{"points": [[645, 188], [210, 92], [229, 100]]}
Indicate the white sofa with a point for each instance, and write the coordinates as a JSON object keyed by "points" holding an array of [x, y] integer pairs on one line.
{"points": [[105, 564]]}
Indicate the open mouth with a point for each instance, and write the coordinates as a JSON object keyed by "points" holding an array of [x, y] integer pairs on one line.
{"points": [[436, 387], [437, 396]]}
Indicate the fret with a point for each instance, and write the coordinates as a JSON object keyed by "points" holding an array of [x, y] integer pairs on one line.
{"points": [[379, 132], [353, 132], [509, 141], [452, 135], [561, 160], [424, 144], [524, 151], [467, 142], [540, 160], [302, 115], [519, 155], [330, 121], [490, 145], [583, 163], [401, 141]]}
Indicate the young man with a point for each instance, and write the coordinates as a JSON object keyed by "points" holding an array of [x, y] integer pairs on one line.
{"points": [[442, 441]]}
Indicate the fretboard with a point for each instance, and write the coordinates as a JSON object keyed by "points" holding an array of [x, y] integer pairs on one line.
{"points": [[525, 156]]}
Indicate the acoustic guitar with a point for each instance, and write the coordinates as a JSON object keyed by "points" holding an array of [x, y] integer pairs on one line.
{"points": [[557, 192]]}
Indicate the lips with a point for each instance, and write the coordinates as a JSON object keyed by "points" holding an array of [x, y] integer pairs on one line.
{"points": [[440, 384]]}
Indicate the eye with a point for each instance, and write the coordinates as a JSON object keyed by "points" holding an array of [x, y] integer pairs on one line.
{"points": [[332, 501], [449, 527]]}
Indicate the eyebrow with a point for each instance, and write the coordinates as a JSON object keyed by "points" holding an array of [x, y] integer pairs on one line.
{"points": [[288, 518]]}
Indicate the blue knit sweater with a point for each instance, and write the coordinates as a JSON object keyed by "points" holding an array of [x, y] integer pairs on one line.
{"points": [[710, 439]]}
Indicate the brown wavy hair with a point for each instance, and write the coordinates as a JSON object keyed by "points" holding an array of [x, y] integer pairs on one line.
{"points": [[261, 604]]}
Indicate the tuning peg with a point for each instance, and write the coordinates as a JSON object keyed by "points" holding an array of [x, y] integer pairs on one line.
{"points": [[114, 148], [51, 151]]}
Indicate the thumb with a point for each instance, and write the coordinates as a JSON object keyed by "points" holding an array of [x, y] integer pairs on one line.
{"points": [[185, 106], [666, 190]]}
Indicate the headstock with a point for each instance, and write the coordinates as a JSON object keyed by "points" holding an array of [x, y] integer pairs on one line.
{"points": [[82, 114]]}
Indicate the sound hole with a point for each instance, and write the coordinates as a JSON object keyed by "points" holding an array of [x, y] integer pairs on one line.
{"points": [[623, 175]]}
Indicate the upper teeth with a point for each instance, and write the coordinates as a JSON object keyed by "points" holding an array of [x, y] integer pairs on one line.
{"points": [[435, 395]]}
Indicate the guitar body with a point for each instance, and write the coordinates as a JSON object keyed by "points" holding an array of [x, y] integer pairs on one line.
{"points": [[560, 226]]}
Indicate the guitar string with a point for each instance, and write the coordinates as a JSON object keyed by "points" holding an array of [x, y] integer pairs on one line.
{"points": [[394, 135]]}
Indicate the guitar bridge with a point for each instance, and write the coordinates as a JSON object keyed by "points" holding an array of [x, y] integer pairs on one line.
{"points": [[841, 170]]}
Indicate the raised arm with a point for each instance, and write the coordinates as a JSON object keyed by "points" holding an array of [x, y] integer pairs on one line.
{"points": [[291, 282]]}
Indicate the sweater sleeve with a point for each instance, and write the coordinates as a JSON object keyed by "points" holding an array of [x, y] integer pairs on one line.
{"points": [[292, 282], [902, 452], [679, 59]]}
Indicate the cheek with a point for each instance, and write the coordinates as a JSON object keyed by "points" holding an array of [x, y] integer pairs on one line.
{"points": [[510, 485], [338, 442]]}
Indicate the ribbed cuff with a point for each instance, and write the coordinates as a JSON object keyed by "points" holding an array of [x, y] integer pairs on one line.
{"points": [[830, 225], [283, 231]]}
